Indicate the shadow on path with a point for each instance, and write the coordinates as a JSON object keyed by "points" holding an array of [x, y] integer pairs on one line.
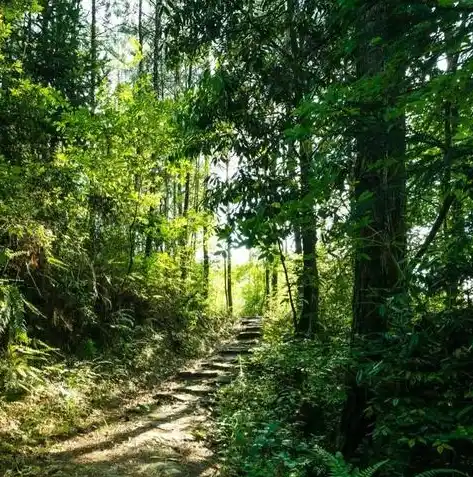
{"points": [[164, 441]]}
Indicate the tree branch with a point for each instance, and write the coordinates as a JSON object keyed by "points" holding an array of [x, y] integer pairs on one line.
{"points": [[449, 200]]}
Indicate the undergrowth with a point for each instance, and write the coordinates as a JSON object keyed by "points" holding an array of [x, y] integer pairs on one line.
{"points": [[281, 417], [280, 407], [45, 403]]}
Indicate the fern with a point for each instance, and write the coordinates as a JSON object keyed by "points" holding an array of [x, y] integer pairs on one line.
{"points": [[435, 472], [335, 464], [370, 471], [337, 467], [11, 310]]}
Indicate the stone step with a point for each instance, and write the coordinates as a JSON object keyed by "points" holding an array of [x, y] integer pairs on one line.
{"points": [[221, 365], [230, 358], [235, 350], [197, 375], [250, 321], [195, 391], [244, 344], [172, 397], [254, 328], [250, 328], [248, 335]]}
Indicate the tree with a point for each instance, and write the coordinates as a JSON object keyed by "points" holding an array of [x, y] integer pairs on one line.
{"points": [[379, 198], [268, 62]]}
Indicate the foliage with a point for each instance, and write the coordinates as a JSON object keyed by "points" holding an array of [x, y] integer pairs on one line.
{"points": [[350, 123], [102, 290], [337, 467], [333, 137], [422, 389], [263, 414]]}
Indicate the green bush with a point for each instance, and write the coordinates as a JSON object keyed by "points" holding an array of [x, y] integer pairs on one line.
{"points": [[422, 395], [288, 398]]}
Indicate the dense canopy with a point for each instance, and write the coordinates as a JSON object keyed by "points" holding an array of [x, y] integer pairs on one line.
{"points": [[168, 167]]}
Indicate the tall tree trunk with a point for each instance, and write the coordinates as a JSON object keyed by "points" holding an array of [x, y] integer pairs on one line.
{"points": [[187, 191], [149, 244], [205, 239], [267, 282], [206, 261], [149, 234], [185, 237], [196, 202], [174, 198], [140, 36], [308, 321], [93, 54], [132, 227], [93, 239], [274, 279], [229, 249], [180, 199], [225, 279], [298, 251], [165, 203], [157, 47], [288, 284], [229, 275], [379, 196], [455, 227], [307, 324]]}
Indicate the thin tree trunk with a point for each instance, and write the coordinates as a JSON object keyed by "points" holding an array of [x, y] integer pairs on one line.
{"points": [[307, 324], [225, 282], [229, 251], [456, 227], [174, 198], [297, 241], [288, 284], [148, 245], [274, 279], [149, 235], [205, 239], [196, 203], [167, 192], [206, 261], [156, 47], [298, 251], [267, 282], [180, 200], [93, 79], [187, 190], [185, 237], [93, 54], [229, 275], [132, 230], [308, 321], [140, 36]]}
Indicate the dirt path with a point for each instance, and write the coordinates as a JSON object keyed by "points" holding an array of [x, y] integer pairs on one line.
{"points": [[164, 436]]}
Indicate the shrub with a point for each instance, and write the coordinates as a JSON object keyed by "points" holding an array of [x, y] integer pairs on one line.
{"points": [[281, 405]]}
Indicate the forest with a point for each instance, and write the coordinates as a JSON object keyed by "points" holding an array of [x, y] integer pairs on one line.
{"points": [[174, 170]]}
